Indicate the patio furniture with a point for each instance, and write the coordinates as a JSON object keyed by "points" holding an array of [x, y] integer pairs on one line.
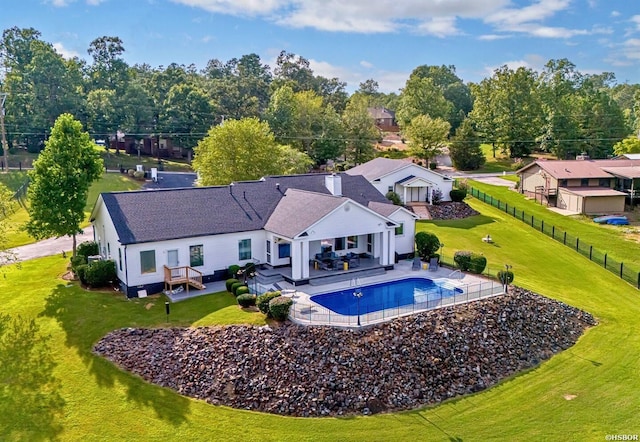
{"points": [[353, 259], [433, 264], [416, 263]]}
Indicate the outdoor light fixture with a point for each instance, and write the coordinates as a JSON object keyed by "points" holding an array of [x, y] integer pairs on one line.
{"points": [[358, 295]]}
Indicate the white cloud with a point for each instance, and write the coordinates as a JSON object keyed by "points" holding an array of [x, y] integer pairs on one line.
{"points": [[66, 53], [636, 21], [237, 7], [491, 37], [366, 64], [388, 81], [531, 61], [63, 3], [615, 14], [439, 27]]}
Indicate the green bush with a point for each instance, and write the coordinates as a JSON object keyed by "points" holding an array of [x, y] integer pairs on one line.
{"points": [[81, 273], [233, 271], [246, 300], [229, 282], [242, 291], [138, 174], [427, 244], [462, 258], [87, 248], [279, 308], [101, 273], [235, 286], [394, 198], [77, 261], [263, 301], [433, 165], [505, 276], [478, 263], [458, 195], [130, 172]]}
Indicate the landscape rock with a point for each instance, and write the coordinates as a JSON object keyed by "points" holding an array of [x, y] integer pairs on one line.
{"points": [[320, 371], [451, 210]]}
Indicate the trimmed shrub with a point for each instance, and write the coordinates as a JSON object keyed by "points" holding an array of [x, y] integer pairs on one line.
{"points": [[138, 174], [242, 291], [394, 198], [101, 273], [263, 301], [81, 272], [229, 282], [87, 248], [279, 308], [427, 244], [505, 276], [130, 172], [235, 286], [462, 258], [77, 261], [246, 300], [433, 165], [458, 195], [233, 271], [478, 263]]}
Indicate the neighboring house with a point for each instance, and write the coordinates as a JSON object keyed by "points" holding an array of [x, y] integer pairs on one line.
{"points": [[583, 186], [278, 221], [385, 119], [413, 183]]}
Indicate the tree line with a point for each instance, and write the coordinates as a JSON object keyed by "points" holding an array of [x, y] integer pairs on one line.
{"points": [[559, 110]]}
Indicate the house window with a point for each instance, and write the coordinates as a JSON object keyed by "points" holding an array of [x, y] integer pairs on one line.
{"points": [[340, 244], [390, 189], [244, 249], [352, 242], [563, 183], [196, 255], [400, 230], [584, 182], [604, 182], [120, 258], [284, 250], [148, 261], [370, 243]]}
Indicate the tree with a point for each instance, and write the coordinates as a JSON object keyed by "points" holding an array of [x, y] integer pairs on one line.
{"points": [[360, 130], [427, 245], [60, 181], [242, 150], [465, 150], [628, 145], [421, 96], [426, 136], [508, 105]]}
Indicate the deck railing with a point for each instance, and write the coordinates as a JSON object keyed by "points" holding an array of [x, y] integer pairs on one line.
{"points": [[182, 275]]}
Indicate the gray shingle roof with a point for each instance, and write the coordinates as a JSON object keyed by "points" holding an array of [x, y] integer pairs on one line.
{"points": [[158, 215]]}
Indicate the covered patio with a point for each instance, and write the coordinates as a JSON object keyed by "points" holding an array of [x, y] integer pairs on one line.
{"points": [[415, 189]]}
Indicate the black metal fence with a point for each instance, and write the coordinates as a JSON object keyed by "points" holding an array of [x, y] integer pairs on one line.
{"points": [[625, 272]]}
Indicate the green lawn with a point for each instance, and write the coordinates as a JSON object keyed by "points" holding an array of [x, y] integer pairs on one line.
{"points": [[104, 403], [110, 182], [613, 240]]}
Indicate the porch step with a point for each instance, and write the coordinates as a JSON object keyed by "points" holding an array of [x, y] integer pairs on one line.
{"points": [[330, 279], [268, 277], [421, 210]]}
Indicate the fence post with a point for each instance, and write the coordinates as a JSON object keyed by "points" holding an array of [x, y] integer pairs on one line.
{"points": [[531, 220], [577, 244], [621, 267], [605, 260], [564, 241], [553, 232], [506, 207], [514, 211], [523, 216], [638, 280], [542, 226], [491, 196], [590, 252]]}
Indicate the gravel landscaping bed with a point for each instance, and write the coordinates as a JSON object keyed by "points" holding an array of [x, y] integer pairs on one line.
{"points": [[322, 371], [451, 210]]}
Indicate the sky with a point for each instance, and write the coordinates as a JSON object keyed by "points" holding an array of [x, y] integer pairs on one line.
{"points": [[353, 40]]}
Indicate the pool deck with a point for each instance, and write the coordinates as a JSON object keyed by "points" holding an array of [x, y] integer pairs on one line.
{"points": [[305, 311]]}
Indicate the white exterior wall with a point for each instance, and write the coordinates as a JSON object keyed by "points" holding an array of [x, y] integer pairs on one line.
{"points": [[104, 233], [405, 243], [390, 180], [219, 251]]}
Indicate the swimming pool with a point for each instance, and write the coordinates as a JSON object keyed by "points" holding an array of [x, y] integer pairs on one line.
{"points": [[385, 295]]}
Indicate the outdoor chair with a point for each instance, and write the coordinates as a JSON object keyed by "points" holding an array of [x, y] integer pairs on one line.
{"points": [[416, 263], [433, 264]]}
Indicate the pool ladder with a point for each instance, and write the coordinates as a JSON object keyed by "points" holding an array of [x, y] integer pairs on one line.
{"points": [[456, 272]]}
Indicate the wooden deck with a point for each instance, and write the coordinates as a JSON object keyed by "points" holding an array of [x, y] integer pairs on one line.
{"points": [[186, 275]]}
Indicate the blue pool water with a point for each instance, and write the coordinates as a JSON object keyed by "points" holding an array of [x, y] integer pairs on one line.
{"points": [[385, 295]]}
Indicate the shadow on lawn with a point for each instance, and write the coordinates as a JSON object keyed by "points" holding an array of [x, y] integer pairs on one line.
{"points": [[86, 317], [463, 223], [30, 400]]}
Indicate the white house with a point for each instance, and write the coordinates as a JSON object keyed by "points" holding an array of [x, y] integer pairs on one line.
{"points": [[413, 183], [281, 222]]}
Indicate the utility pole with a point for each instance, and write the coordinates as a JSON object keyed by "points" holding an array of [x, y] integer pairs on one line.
{"points": [[5, 149]]}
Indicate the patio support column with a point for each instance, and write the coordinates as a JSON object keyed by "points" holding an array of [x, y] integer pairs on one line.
{"points": [[296, 260], [384, 252], [429, 196], [304, 261], [404, 196]]}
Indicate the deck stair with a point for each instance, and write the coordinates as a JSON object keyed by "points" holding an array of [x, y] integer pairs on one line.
{"points": [[182, 275]]}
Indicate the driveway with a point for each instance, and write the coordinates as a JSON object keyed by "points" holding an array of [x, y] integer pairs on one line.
{"points": [[51, 246], [172, 180]]}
